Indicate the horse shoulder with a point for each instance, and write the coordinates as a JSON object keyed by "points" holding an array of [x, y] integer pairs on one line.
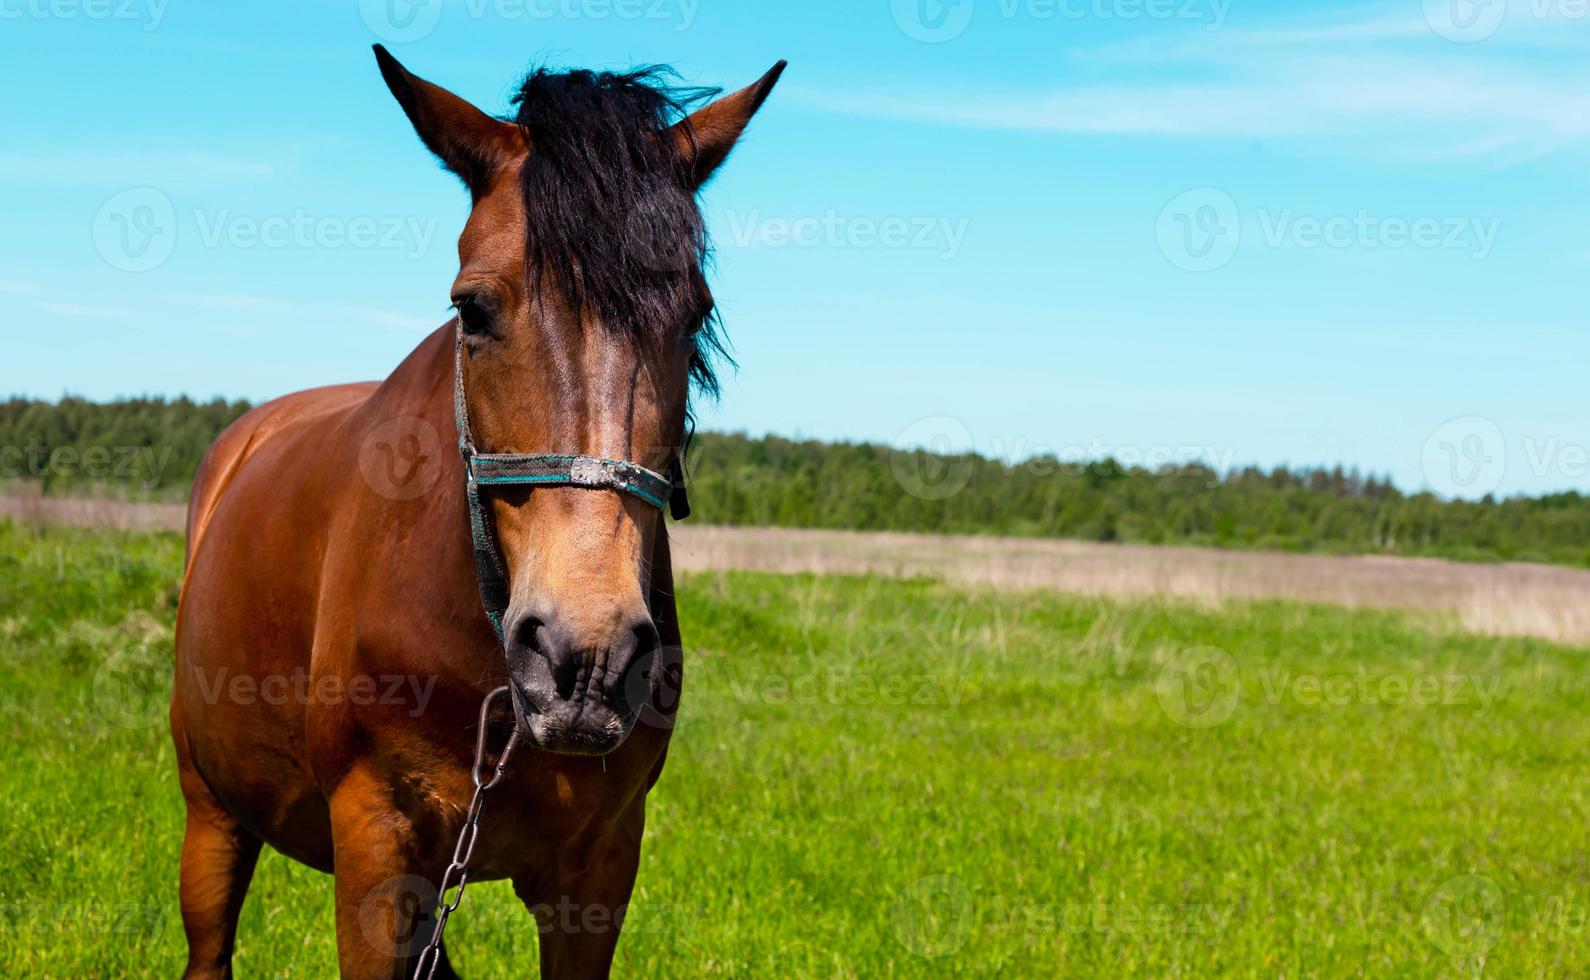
{"points": [[232, 450]]}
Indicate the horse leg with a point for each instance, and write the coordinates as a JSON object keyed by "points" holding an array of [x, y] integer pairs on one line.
{"points": [[579, 912], [218, 858], [396, 918], [384, 896]]}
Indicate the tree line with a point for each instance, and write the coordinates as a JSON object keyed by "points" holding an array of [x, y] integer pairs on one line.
{"points": [[143, 448], [151, 447]]}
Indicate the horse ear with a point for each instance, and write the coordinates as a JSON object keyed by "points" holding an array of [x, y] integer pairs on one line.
{"points": [[468, 141], [705, 138]]}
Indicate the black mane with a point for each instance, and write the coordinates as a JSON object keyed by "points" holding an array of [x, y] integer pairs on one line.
{"points": [[610, 214]]}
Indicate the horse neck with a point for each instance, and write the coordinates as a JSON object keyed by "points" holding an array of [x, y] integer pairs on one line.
{"points": [[416, 401], [422, 386]]}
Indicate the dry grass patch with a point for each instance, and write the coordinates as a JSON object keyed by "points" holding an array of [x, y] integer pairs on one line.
{"points": [[1517, 599], [1544, 601]]}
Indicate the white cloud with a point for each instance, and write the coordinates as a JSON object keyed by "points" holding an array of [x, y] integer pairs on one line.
{"points": [[266, 306], [241, 301], [122, 169], [1374, 85], [85, 312], [415, 323], [1229, 41]]}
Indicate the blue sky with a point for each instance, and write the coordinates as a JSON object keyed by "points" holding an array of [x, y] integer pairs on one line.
{"points": [[1242, 232]]}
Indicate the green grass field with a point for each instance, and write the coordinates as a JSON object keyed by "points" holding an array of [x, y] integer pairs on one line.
{"points": [[896, 778]]}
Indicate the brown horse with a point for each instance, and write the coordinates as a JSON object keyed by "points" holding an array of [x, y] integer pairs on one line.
{"points": [[332, 647]]}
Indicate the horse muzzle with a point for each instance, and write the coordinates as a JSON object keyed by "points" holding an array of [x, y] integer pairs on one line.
{"points": [[575, 695]]}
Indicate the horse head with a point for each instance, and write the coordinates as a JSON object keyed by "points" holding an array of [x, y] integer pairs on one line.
{"points": [[585, 323]]}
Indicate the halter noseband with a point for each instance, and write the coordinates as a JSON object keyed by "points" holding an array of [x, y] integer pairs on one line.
{"points": [[540, 470]]}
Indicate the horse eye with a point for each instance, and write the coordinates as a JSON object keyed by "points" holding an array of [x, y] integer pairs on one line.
{"points": [[476, 315]]}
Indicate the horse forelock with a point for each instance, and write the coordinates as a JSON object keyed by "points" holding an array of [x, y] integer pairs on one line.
{"points": [[610, 213]]}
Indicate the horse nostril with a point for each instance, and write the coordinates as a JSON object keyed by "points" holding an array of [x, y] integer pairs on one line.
{"points": [[565, 673], [646, 643], [646, 639], [527, 634], [631, 686], [537, 653]]}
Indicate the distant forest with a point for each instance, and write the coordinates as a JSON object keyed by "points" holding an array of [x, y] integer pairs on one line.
{"points": [[150, 448]]}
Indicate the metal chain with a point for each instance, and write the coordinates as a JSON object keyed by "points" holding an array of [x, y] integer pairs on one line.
{"points": [[457, 873]]}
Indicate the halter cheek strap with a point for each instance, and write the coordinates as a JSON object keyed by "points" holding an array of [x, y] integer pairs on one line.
{"points": [[504, 469]]}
